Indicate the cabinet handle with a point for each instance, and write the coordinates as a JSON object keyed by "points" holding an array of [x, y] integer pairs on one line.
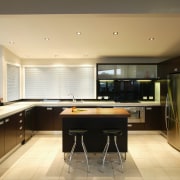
{"points": [[2, 122], [130, 125], [7, 120], [20, 128], [20, 114], [49, 109], [148, 108], [21, 136], [20, 121]]}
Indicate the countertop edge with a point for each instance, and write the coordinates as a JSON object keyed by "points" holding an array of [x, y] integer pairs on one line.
{"points": [[11, 109]]}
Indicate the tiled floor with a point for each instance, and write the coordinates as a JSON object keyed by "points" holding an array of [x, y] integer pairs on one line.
{"points": [[149, 158]]}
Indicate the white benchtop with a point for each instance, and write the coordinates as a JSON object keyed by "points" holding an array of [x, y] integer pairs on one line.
{"points": [[13, 108]]}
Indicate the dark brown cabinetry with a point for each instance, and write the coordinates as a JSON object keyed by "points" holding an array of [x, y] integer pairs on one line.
{"points": [[44, 118], [94, 138], [11, 132], [29, 123], [153, 118], [19, 118], [57, 119], [47, 118], [2, 129], [167, 67], [136, 126]]}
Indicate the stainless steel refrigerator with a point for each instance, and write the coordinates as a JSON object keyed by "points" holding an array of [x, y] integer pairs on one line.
{"points": [[172, 111]]}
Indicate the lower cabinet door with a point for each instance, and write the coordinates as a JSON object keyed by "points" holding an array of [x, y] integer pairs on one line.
{"points": [[2, 150], [48, 119], [153, 118], [57, 119], [44, 119], [10, 134], [136, 126]]}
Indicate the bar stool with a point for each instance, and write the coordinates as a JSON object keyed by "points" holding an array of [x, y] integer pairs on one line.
{"points": [[76, 133], [112, 133]]}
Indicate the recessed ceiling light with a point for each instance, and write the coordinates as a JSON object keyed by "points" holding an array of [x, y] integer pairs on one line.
{"points": [[46, 39], [78, 33], [151, 39], [115, 33], [56, 55], [11, 42]]}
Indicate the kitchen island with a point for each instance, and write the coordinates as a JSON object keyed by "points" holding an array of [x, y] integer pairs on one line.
{"points": [[94, 120]]}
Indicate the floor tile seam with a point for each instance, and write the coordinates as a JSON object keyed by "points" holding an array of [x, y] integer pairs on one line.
{"points": [[153, 175]]}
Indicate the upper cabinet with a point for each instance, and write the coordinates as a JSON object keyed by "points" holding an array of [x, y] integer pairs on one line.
{"points": [[146, 71], [121, 71], [167, 67]]}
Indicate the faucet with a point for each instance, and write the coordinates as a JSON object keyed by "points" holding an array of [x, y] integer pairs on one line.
{"points": [[73, 98]]}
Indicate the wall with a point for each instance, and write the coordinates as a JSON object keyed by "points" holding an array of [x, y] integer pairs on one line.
{"points": [[90, 61], [6, 57], [1, 73], [10, 57]]}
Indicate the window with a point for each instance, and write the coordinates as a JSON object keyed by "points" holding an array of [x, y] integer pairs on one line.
{"points": [[59, 82], [13, 82]]}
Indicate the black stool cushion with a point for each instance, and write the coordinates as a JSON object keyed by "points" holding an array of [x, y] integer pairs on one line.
{"points": [[75, 132], [112, 132]]}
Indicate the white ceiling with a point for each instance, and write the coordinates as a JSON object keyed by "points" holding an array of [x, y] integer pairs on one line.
{"points": [[24, 35], [24, 25]]}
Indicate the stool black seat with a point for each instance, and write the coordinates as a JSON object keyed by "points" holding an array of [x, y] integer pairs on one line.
{"points": [[112, 133], [75, 133]]}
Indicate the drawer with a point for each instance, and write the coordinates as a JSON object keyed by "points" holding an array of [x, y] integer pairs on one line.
{"points": [[136, 126], [20, 135]]}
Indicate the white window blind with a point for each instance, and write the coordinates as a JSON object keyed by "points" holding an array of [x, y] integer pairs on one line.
{"points": [[13, 82], [59, 82]]}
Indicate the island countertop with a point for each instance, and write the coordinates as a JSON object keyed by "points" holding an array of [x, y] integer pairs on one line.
{"points": [[95, 112]]}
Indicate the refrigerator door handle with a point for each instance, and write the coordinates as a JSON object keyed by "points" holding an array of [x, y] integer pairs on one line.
{"points": [[166, 111]]}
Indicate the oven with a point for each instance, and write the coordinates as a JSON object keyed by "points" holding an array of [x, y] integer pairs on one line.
{"points": [[137, 114]]}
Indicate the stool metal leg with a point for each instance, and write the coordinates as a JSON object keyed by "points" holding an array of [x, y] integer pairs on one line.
{"points": [[106, 150], [72, 151], [120, 158], [85, 152], [107, 144]]}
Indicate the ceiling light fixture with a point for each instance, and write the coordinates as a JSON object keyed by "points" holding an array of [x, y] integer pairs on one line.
{"points": [[151, 39], [78, 33], [46, 39], [115, 33], [11, 42]]}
